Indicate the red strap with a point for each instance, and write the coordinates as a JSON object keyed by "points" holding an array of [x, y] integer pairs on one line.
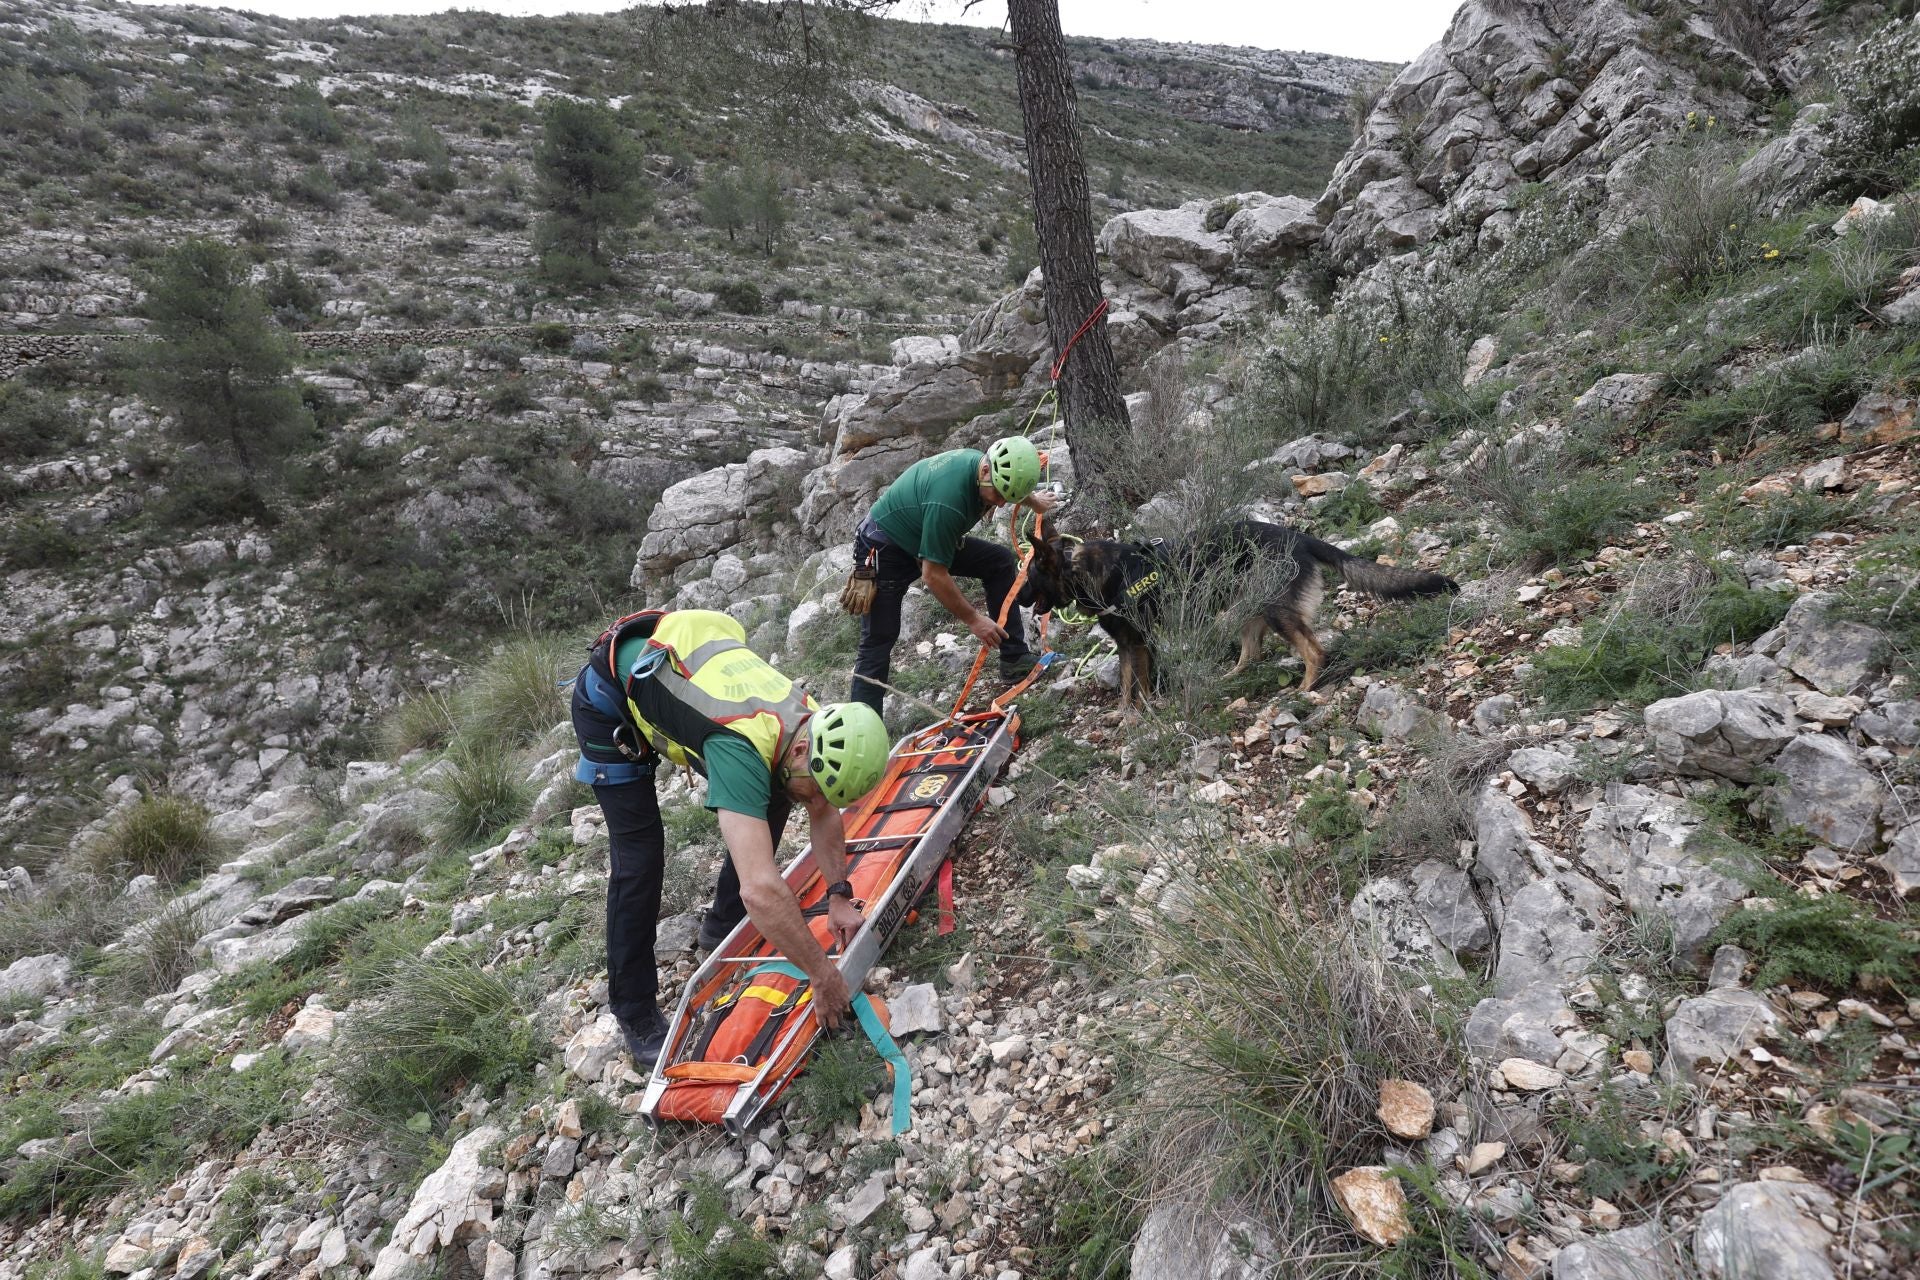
{"points": [[1078, 334], [946, 897]]}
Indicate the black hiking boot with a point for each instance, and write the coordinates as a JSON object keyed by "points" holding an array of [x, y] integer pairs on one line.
{"points": [[713, 932], [645, 1038]]}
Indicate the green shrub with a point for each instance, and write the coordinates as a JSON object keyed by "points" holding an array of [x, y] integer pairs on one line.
{"points": [[1571, 519], [437, 1022], [1621, 1160], [1651, 646], [1260, 1102], [1797, 395], [1882, 594], [143, 1139], [842, 1075], [741, 296], [709, 1245], [161, 834], [1879, 125], [1396, 638], [66, 918], [395, 369], [483, 791], [1094, 1216], [551, 335], [1830, 941], [1697, 224], [510, 397], [35, 542], [308, 114], [34, 424], [245, 1205], [194, 498], [426, 719], [515, 695], [159, 956]]}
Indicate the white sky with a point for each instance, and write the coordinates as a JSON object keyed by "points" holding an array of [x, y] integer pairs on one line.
{"points": [[1388, 30]]}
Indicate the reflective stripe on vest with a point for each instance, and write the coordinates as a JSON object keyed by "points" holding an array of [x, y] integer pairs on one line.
{"points": [[713, 680]]}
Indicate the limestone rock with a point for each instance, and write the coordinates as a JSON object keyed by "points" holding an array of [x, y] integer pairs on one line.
{"points": [[915, 1009], [1391, 714], [708, 513], [593, 1047], [312, 1029], [1178, 1240], [1445, 899], [1708, 1030], [1620, 397], [1766, 1229], [454, 1204], [1835, 657], [1641, 842], [1267, 228], [1725, 734], [1148, 243], [1636, 1253], [1902, 860], [1530, 1077], [1549, 772], [1553, 932], [35, 977], [1507, 858], [1825, 789], [1406, 1109], [1374, 1203]]}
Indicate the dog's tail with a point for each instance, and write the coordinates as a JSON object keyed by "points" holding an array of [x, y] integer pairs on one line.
{"points": [[1370, 577]]}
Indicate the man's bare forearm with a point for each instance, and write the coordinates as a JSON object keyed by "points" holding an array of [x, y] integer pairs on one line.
{"points": [[829, 839], [946, 590], [771, 906]]}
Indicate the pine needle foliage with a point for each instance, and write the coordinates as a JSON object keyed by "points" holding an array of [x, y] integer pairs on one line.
{"points": [[1831, 942]]}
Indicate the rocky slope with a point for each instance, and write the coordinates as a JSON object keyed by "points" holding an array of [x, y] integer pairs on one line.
{"points": [[1621, 841]]}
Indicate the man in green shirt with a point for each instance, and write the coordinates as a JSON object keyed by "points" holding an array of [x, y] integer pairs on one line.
{"points": [[684, 685], [919, 529]]}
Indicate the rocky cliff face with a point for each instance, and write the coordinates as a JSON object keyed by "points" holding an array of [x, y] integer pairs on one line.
{"points": [[1520, 93]]}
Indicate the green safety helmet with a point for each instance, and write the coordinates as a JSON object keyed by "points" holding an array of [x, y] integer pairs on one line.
{"points": [[847, 750], [1013, 465]]}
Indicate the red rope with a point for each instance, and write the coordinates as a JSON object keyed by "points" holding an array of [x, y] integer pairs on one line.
{"points": [[1078, 334]]}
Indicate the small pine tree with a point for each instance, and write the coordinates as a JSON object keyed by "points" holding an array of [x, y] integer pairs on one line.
{"points": [[723, 204], [766, 207], [218, 363], [592, 185]]}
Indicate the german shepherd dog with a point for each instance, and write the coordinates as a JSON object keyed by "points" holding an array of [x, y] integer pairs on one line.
{"points": [[1126, 585]]}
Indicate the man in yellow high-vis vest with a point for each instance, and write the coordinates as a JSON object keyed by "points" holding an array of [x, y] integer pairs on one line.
{"points": [[684, 685]]}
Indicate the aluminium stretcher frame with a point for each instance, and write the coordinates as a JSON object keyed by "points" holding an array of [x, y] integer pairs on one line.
{"points": [[997, 734]]}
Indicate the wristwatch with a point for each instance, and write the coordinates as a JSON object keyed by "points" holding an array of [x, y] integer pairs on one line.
{"points": [[841, 889]]}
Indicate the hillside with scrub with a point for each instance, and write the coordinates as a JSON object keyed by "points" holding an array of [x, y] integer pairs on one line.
{"points": [[1565, 928]]}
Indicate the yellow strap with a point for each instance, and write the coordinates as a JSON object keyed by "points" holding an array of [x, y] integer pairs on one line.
{"points": [[774, 997]]}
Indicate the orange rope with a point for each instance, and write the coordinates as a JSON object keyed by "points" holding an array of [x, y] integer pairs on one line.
{"points": [[1006, 607]]}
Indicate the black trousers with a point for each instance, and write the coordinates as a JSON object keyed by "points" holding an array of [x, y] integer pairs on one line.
{"points": [[895, 571], [637, 859]]}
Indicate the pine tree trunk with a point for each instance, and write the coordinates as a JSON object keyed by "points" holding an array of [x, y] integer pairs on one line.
{"points": [[1063, 221]]}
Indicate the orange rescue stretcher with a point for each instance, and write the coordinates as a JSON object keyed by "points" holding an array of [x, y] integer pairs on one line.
{"points": [[745, 1024]]}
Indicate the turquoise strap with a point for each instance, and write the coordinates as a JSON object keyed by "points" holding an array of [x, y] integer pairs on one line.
{"points": [[883, 1043]]}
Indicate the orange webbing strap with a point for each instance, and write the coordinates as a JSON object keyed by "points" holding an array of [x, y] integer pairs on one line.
{"points": [[727, 1072], [1006, 607]]}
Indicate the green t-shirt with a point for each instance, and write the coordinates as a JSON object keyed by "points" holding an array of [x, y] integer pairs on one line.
{"points": [[929, 509], [738, 780]]}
